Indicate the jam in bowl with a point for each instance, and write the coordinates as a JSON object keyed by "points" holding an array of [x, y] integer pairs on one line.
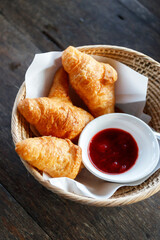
{"points": [[118, 147], [113, 151]]}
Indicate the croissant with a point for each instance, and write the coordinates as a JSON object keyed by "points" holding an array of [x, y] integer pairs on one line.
{"points": [[55, 115], [93, 81], [57, 157]]}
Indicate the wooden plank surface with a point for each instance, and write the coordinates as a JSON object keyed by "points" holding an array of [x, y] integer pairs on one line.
{"points": [[15, 223], [153, 6], [143, 14], [83, 22], [29, 27]]}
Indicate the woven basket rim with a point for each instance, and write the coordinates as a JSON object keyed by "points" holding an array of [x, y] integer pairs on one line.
{"points": [[111, 202], [119, 48]]}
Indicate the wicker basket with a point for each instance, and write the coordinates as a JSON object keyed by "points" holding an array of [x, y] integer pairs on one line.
{"points": [[140, 63]]}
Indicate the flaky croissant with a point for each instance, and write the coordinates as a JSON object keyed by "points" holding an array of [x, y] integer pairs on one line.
{"points": [[55, 115], [57, 157], [92, 80]]}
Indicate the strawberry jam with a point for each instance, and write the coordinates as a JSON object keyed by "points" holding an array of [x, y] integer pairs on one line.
{"points": [[113, 151]]}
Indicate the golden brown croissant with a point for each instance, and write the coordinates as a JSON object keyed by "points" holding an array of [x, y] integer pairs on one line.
{"points": [[56, 115], [55, 156], [60, 86], [92, 80]]}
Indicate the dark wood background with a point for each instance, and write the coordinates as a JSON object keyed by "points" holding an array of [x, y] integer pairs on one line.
{"points": [[27, 209]]}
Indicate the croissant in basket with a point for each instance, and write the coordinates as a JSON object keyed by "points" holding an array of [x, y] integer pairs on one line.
{"points": [[92, 80], [55, 115], [55, 156]]}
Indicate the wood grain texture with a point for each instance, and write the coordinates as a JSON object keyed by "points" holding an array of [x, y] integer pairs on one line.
{"points": [[74, 23], [29, 27], [142, 13], [153, 6], [15, 222]]}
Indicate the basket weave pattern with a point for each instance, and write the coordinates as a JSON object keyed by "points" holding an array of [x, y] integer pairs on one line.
{"points": [[140, 63]]}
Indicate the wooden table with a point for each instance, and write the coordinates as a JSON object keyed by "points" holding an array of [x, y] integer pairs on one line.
{"points": [[27, 209]]}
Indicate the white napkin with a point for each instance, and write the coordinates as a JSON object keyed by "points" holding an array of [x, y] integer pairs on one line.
{"points": [[130, 91]]}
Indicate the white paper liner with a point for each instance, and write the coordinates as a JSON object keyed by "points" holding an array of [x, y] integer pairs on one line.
{"points": [[130, 92]]}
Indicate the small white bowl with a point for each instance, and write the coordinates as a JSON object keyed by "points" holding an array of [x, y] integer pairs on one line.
{"points": [[148, 155]]}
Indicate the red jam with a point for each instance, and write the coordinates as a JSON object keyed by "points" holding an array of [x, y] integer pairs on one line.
{"points": [[113, 151]]}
